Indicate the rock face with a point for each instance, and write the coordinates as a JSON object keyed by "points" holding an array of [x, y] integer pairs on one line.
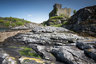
{"points": [[70, 55], [84, 21], [53, 44], [47, 35]]}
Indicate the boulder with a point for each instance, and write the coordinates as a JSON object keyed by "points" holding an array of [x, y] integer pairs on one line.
{"points": [[70, 55], [83, 46]]}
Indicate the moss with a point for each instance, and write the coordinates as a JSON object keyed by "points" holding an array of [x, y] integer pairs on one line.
{"points": [[28, 52], [65, 22]]}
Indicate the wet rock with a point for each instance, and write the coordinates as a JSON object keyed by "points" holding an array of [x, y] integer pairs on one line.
{"points": [[90, 53], [83, 46], [1, 59]]}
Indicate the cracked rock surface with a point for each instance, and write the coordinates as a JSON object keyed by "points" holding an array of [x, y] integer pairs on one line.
{"points": [[54, 45]]}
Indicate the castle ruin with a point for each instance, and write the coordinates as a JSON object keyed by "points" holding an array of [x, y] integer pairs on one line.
{"points": [[59, 11]]}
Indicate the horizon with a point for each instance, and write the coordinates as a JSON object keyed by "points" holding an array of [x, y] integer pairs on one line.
{"points": [[37, 10]]}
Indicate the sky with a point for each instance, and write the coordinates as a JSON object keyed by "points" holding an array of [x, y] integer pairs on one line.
{"points": [[37, 10]]}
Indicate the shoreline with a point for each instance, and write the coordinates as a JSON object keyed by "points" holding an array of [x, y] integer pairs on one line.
{"points": [[4, 35]]}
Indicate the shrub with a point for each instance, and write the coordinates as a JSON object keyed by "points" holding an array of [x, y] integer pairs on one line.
{"points": [[13, 24], [27, 21], [74, 11], [1, 21]]}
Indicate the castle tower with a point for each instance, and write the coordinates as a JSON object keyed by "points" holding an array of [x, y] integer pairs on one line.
{"points": [[58, 11], [58, 6]]}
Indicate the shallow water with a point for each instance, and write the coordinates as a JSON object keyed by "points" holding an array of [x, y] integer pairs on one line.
{"points": [[4, 29]]}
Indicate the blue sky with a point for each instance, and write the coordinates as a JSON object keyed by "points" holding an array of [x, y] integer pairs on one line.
{"points": [[37, 10]]}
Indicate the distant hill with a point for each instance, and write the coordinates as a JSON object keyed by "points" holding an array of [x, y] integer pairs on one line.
{"points": [[12, 22]]}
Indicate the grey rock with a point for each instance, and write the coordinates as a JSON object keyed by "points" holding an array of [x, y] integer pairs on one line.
{"points": [[43, 51], [48, 29], [46, 36], [70, 55], [20, 28]]}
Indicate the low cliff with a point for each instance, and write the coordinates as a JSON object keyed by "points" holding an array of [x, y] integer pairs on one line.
{"points": [[84, 21]]}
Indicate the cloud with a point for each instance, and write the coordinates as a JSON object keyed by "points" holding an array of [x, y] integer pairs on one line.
{"points": [[29, 15]]}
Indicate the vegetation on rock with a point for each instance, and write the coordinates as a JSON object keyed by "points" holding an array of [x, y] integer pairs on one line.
{"points": [[12, 22], [74, 11], [56, 21], [28, 52]]}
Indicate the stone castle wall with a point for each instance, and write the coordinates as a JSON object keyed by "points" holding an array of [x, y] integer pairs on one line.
{"points": [[63, 11], [58, 11]]}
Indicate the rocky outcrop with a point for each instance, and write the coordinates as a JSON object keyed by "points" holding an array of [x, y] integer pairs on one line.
{"points": [[84, 21], [46, 35], [54, 45], [26, 26], [70, 55]]}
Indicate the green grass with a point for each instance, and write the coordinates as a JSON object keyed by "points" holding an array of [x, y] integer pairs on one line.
{"points": [[12, 22], [19, 23], [27, 52], [57, 17], [7, 23]]}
